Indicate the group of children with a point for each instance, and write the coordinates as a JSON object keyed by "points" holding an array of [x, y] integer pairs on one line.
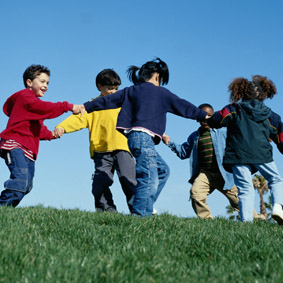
{"points": [[124, 127]]}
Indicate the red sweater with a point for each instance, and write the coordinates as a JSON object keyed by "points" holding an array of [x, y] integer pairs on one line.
{"points": [[26, 114]]}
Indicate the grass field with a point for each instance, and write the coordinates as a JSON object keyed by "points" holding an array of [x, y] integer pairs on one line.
{"points": [[49, 245]]}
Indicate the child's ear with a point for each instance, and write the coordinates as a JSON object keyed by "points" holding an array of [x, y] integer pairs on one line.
{"points": [[99, 86], [29, 82], [157, 77]]}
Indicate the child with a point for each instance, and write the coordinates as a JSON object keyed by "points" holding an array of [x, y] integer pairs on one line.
{"points": [[20, 140], [143, 119], [250, 127], [205, 148], [108, 147]]}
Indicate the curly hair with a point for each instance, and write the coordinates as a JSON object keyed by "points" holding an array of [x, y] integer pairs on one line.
{"points": [[33, 71], [258, 88]]}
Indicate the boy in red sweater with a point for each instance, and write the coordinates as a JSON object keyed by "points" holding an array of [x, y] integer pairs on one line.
{"points": [[20, 140]]}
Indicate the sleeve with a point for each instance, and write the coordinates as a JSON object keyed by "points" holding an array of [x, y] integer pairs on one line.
{"points": [[112, 101], [45, 110], [45, 133], [184, 108], [222, 118], [276, 122], [183, 151], [74, 123]]}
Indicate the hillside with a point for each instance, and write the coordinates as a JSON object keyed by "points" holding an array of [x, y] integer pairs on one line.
{"points": [[50, 245]]}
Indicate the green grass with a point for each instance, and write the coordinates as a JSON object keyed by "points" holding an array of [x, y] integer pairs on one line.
{"points": [[49, 245]]}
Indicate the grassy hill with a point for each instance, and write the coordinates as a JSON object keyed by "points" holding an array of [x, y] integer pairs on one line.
{"points": [[49, 245]]}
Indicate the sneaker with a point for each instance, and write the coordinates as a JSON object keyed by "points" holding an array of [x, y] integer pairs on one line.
{"points": [[154, 212], [277, 213]]}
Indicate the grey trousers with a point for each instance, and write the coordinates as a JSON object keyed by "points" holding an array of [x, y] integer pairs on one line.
{"points": [[105, 166]]}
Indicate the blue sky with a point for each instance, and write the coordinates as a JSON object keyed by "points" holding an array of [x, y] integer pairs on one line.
{"points": [[205, 43]]}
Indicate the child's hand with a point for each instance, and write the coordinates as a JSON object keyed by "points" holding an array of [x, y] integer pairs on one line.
{"points": [[58, 133], [78, 109], [165, 139]]}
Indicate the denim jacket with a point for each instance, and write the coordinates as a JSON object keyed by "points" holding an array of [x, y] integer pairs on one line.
{"points": [[189, 149]]}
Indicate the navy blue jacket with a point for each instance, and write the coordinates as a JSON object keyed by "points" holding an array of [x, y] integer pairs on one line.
{"points": [[145, 106], [250, 127]]}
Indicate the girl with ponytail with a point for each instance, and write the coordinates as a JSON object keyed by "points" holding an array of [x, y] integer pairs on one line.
{"points": [[142, 120], [251, 125]]}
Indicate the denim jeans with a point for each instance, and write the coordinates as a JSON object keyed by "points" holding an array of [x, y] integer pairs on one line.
{"points": [[152, 172], [21, 176], [243, 181]]}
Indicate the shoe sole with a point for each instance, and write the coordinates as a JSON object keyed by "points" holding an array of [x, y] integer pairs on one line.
{"points": [[278, 219]]}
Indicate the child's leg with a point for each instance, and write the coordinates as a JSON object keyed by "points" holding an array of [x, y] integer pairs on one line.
{"points": [[200, 189], [142, 148], [275, 182], [102, 180], [163, 175], [232, 196], [21, 176], [246, 193], [125, 166]]}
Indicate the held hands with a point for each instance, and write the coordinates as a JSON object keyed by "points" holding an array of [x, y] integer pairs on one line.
{"points": [[58, 133], [77, 109], [208, 116], [165, 139]]}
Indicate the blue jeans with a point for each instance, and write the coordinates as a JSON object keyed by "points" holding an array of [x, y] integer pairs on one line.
{"points": [[21, 176], [243, 181], [152, 172]]}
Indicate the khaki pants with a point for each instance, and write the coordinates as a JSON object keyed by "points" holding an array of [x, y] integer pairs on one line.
{"points": [[204, 185]]}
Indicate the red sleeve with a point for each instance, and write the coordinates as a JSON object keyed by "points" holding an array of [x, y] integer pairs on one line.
{"points": [[39, 109], [45, 133]]}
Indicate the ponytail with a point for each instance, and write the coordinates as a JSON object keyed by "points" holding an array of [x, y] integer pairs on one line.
{"points": [[259, 88], [147, 70], [131, 73], [238, 89], [265, 87]]}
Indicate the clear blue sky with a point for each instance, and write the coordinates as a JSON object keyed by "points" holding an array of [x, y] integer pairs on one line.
{"points": [[205, 44]]}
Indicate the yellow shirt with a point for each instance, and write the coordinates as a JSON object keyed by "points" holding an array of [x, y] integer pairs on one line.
{"points": [[103, 136]]}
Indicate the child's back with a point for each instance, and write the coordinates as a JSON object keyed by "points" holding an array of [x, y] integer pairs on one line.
{"points": [[250, 127]]}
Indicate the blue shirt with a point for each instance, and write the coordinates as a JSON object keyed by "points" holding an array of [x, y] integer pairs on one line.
{"points": [[145, 106], [189, 149]]}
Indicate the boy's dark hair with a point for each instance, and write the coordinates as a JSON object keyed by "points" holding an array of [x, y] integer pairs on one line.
{"points": [[147, 70], [107, 77], [205, 105], [33, 71], [259, 88]]}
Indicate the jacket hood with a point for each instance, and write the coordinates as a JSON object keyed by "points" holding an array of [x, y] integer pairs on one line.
{"points": [[255, 110], [9, 104]]}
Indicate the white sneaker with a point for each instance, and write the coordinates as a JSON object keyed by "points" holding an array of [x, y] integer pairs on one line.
{"points": [[154, 212], [277, 213]]}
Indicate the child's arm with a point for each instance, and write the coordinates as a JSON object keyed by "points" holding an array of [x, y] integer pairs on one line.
{"points": [[184, 150], [184, 108], [222, 118], [45, 133], [72, 124], [112, 101], [39, 109], [276, 122]]}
